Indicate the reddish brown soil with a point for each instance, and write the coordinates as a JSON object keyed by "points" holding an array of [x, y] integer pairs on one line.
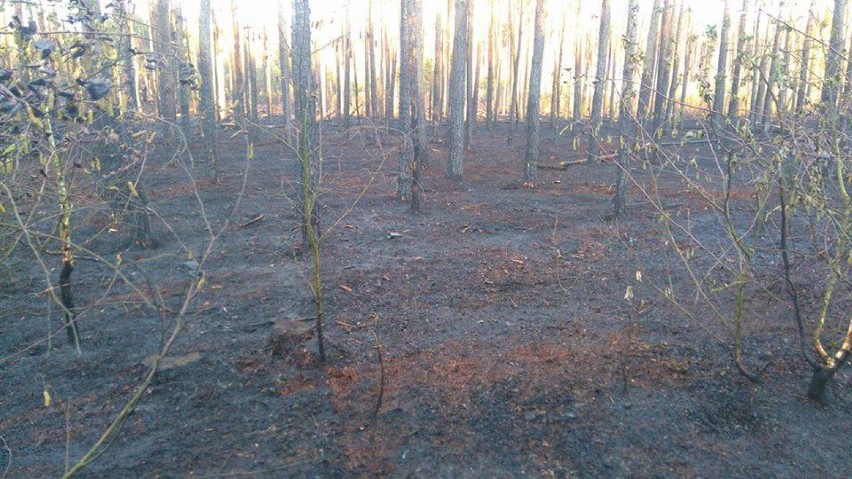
{"points": [[507, 346]]}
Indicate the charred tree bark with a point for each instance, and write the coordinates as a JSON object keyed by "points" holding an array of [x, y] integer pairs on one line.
{"points": [[534, 99], [556, 89], [284, 65], [831, 83], [455, 167], [207, 104], [600, 83], [739, 58], [238, 98], [802, 87], [626, 116], [305, 109], [437, 72], [650, 56], [167, 72], [663, 68], [489, 87], [677, 41], [126, 55], [721, 69], [514, 114]]}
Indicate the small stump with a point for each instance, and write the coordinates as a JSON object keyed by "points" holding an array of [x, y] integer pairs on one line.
{"points": [[289, 336]]}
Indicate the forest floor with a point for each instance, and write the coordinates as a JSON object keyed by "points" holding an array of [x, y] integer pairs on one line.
{"points": [[507, 345]]}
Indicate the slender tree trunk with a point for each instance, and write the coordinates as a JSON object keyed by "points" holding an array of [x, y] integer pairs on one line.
{"points": [[677, 41], [576, 114], [437, 72], [347, 69], [373, 89], [238, 98], [251, 94], [284, 64], [687, 65], [772, 77], [470, 116], [514, 114], [390, 79], [647, 84], [181, 42], [418, 115], [167, 77], [600, 83], [489, 88], [307, 154], [784, 71], [455, 167], [802, 87], [721, 69], [610, 73], [534, 98], [207, 106], [663, 68], [759, 73], [627, 114], [267, 75], [215, 64], [556, 89], [739, 57], [831, 83], [125, 48]]}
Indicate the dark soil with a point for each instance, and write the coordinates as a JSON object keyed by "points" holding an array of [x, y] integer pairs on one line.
{"points": [[507, 346]]}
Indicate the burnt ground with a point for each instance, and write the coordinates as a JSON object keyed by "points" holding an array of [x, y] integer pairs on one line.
{"points": [[507, 347]]}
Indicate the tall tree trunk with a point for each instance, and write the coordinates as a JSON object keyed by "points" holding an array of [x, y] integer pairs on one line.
{"points": [[677, 41], [577, 112], [284, 65], [514, 114], [470, 116], [181, 42], [802, 87], [347, 69], [739, 57], [373, 89], [411, 114], [831, 82], [721, 69], [267, 75], [650, 56], [687, 66], [238, 98], [759, 73], [600, 83], [437, 72], [556, 89], [663, 68], [455, 167], [772, 77], [390, 79], [307, 154], [251, 94], [416, 109], [167, 74], [125, 49], [489, 87], [534, 98], [627, 114], [207, 106], [215, 64], [610, 73]]}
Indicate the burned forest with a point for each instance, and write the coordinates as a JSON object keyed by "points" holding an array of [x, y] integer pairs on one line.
{"points": [[408, 238]]}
